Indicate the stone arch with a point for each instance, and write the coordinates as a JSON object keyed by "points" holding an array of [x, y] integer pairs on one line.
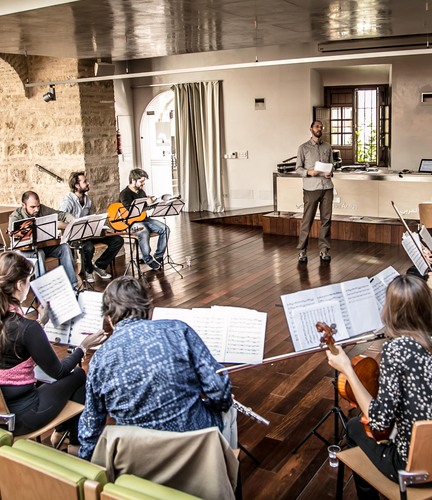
{"points": [[19, 64]]}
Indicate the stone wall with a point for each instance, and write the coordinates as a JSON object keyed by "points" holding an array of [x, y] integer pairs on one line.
{"points": [[75, 132]]}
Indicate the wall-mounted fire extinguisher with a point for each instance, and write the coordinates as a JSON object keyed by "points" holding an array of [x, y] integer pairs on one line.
{"points": [[118, 142]]}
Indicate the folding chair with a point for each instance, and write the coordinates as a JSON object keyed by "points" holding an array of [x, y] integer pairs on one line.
{"points": [[418, 469]]}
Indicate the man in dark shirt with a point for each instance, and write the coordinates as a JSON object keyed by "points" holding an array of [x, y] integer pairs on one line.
{"points": [[142, 229], [32, 207]]}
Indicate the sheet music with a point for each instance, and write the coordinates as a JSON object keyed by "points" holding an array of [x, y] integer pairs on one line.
{"points": [[411, 243], [232, 335], [46, 227], [90, 320], [84, 227], [303, 320], [55, 288], [350, 305], [380, 283], [426, 237]]}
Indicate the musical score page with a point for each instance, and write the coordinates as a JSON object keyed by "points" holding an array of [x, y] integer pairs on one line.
{"points": [[232, 335], [90, 320], [413, 249], [350, 305], [55, 288], [380, 283]]}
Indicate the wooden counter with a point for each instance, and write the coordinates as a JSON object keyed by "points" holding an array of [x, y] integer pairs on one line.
{"points": [[364, 194]]}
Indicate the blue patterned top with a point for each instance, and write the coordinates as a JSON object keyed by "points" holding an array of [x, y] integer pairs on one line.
{"points": [[405, 390], [152, 374]]}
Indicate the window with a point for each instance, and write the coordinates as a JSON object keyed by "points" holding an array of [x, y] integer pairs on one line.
{"points": [[357, 123]]}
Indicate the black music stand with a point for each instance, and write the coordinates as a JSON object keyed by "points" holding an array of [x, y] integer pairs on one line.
{"points": [[339, 415], [30, 232], [136, 208], [165, 209], [77, 232]]}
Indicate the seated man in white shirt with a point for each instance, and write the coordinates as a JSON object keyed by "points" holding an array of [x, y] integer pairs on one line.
{"points": [[79, 204]]}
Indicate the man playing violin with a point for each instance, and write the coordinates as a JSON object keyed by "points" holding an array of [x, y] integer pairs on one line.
{"points": [[405, 381], [32, 207], [143, 228], [79, 204]]}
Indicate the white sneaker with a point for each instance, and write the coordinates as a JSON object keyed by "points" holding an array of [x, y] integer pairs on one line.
{"points": [[102, 273], [89, 277]]}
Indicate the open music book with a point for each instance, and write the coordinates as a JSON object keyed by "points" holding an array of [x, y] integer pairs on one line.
{"points": [[380, 283], [232, 334], [90, 320], [352, 305], [69, 316]]}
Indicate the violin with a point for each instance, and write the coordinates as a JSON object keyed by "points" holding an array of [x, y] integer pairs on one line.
{"points": [[366, 369]]}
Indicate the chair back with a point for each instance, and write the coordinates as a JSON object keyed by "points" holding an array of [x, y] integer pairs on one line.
{"points": [[425, 214], [420, 453], [199, 462], [29, 478], [6, 418]]}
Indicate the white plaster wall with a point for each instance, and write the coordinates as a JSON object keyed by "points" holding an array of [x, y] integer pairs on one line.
{"points": [[411, 120], [290, 93]]}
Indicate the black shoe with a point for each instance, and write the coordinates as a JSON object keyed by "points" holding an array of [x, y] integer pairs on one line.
{"points": [[302, 257], [141, 261], [325, 256], [153, 264]]}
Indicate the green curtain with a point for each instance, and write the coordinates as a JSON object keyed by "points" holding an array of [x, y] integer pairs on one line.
{"points": [[198, 145]]}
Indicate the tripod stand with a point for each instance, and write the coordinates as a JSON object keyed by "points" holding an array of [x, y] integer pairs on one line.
{"points": [[164, 209], [339, 416]]}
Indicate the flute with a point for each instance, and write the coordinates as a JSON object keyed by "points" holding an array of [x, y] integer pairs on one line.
{"points": [[249, 412]]}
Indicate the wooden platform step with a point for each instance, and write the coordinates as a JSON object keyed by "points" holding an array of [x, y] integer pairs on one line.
{"points": [[367, 229]]}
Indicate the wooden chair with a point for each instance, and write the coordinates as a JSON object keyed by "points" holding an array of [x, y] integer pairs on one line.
{"points": [[7, 418], [425, 213], [33, 471], [418, 469]]}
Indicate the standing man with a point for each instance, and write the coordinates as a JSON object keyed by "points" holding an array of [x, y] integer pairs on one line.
{"points": [[133, 191], [32, 207], [317, 191], [79, 204]]}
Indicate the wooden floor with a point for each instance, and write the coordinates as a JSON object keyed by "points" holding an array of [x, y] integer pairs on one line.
{"points": [[239, 266]]}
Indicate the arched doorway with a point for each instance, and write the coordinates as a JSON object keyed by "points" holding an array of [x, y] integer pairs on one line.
{"points": [[157, 132]]}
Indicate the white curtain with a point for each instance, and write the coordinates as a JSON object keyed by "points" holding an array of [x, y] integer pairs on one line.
{"points": [[198, 145]]}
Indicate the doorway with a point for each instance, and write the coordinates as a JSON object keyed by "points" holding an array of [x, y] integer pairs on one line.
{"points": [[157, 132]]}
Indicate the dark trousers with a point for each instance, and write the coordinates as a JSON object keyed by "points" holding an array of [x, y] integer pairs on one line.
{"points": [[42, 404], [323, 199], [113, 245], [384, 456]]}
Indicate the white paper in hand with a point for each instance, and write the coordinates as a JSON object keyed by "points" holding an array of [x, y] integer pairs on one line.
{"points": [[326, 168]]}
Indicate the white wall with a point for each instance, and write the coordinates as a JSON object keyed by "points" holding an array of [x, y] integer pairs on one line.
{"points": [[290, 92]]}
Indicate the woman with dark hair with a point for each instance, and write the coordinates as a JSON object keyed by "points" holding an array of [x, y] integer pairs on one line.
{"points": [[152, 374], [24, 344], [405, 382]]}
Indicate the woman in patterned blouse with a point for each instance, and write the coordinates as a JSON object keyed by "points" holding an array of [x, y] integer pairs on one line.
{"points": [[405, 383]]}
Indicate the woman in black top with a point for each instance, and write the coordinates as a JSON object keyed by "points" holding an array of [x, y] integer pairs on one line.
{"points": [[24, 344], [405, 382]]}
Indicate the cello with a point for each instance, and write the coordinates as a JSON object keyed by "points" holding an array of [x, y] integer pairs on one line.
{"points": [[366, 369]]}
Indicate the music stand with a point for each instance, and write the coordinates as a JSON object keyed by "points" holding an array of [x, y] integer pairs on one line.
{"points": [[419, 249], [125, 216], [165, 209], [80, 230]]}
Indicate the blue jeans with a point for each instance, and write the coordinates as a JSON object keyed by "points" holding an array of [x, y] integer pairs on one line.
{"points": [[148, 226], [61, 252]]}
